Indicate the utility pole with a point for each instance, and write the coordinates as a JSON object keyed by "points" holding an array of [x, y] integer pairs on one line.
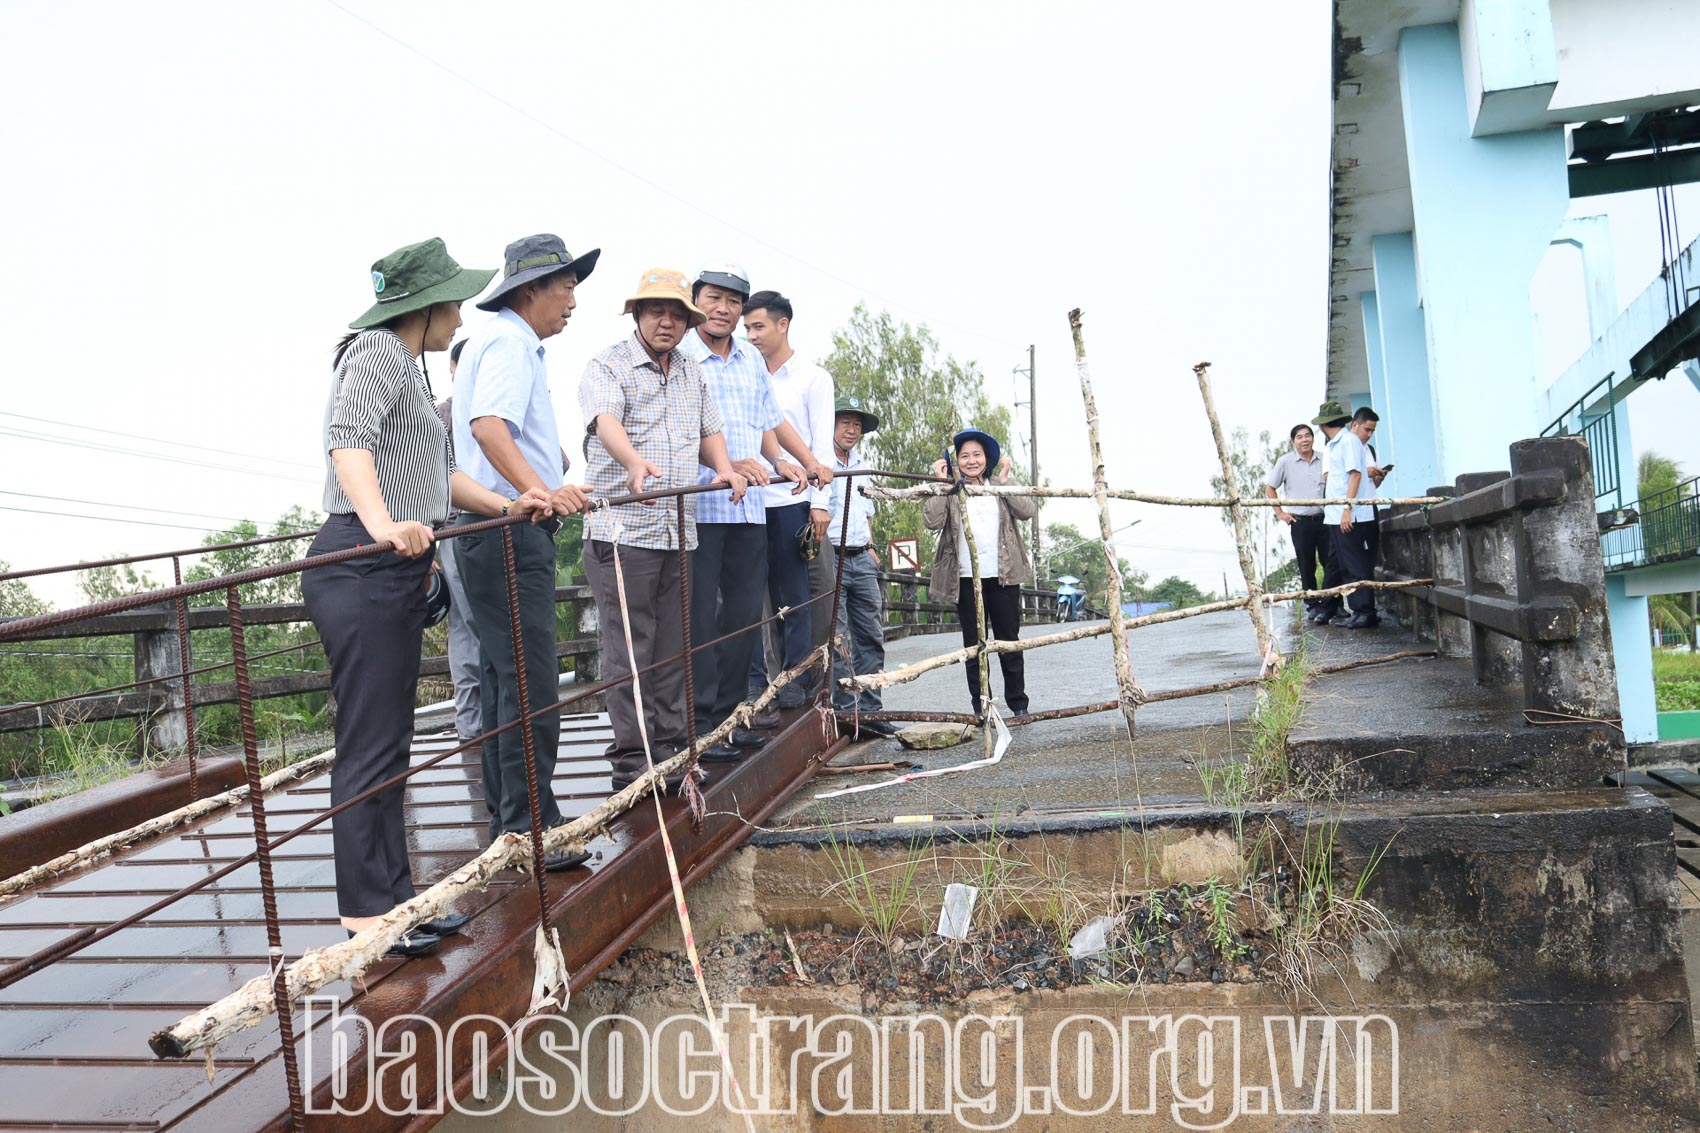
{"points": [[1033, 446]]}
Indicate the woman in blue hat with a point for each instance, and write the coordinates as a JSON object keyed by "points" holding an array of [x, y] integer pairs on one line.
{"points": [[1002, 552], [389, 479]]}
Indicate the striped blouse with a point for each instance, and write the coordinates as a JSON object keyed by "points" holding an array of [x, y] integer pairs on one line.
{"points": [[379, 402]]}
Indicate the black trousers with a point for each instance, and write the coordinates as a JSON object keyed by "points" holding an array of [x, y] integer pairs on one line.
{"points": [[1310, 543], [507, 793], [1003, 618], [652, 596], [370, 614], [1331, 576], [1356, 550], [787, 585], [728, 587]]}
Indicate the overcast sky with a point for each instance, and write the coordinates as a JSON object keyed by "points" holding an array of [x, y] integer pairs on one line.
{"points": [[195, 192]]}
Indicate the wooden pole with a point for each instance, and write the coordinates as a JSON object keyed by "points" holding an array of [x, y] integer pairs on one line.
{"points": [[1033, 447], [921, 491], [96, 850], [917, 669], [1266, 647], [895, 715], [318, 967], [1130, 692]]}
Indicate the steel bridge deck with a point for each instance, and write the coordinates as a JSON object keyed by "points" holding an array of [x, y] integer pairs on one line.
{"points": [[73, 1037]]}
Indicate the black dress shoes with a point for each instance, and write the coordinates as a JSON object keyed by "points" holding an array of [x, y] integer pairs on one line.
{"points": [[446, 925], [673, 784], [554, 861], [864, 729], [416, 943], [722, 753]]}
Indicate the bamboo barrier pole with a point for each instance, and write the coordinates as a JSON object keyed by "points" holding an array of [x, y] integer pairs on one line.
{"points": [[94, 851], [916, 669], [921, 491], [898, 715], [1128, 690], [1242, 540], [349, 959]]}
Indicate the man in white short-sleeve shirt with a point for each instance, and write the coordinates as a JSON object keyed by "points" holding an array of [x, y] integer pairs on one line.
{"points": [[804, 393], [1300, 474], [1356, 532]]}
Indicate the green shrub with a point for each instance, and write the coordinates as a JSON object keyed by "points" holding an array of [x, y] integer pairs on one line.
{"points": [[1677, 696]]}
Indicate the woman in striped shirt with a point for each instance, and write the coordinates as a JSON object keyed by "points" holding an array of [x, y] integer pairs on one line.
{"points": [[389, 478]]}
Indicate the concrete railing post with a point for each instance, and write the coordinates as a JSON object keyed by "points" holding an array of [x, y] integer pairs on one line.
{"points": [[157, 655], [1490, 554], [1560, 567], [587, 667]]}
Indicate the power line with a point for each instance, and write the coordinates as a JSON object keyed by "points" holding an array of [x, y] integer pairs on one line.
{"points": [[203, 528], [126, 507], [96, 446], [1053, 552], [157, 440], [693, 205]]}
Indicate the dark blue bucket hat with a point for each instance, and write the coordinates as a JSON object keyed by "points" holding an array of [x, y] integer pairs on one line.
{"points": [[533, 257], [994, 451]]}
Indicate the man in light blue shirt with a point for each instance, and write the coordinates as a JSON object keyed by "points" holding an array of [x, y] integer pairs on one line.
{"points": [[1352, 475], [729, 564], [861, 607], [1332, 419], [506, 439]]}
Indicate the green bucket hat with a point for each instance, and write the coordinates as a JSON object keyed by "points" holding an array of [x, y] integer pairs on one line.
{"points": [[414, 277], [870, 422], [1331, 413]]}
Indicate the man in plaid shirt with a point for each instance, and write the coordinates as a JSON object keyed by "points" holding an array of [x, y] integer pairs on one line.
{"points": [[649, 423], [729, 565]]}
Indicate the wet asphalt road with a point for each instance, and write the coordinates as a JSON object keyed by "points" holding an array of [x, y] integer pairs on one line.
{"points": [[1081, 762]]}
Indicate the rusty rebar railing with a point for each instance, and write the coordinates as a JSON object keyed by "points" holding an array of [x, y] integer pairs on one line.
{"points": [[264, 842]]}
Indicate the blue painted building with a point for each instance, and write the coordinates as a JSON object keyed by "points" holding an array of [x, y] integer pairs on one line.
{"points": [[1462, 132]]}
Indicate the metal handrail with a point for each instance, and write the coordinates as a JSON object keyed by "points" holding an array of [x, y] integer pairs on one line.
{"points": [[1669, 529], [1600, 431]]}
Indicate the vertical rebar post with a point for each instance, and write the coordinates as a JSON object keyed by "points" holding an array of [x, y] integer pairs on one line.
{"points": [[528, 742], [263, 851], [693, 787]]}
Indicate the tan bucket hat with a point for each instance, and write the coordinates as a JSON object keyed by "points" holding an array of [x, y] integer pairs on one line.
{"points": [[665, 283]]}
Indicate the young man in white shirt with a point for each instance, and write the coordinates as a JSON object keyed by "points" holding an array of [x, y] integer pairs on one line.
{"points": [[804, 393], [1357, 533]]}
